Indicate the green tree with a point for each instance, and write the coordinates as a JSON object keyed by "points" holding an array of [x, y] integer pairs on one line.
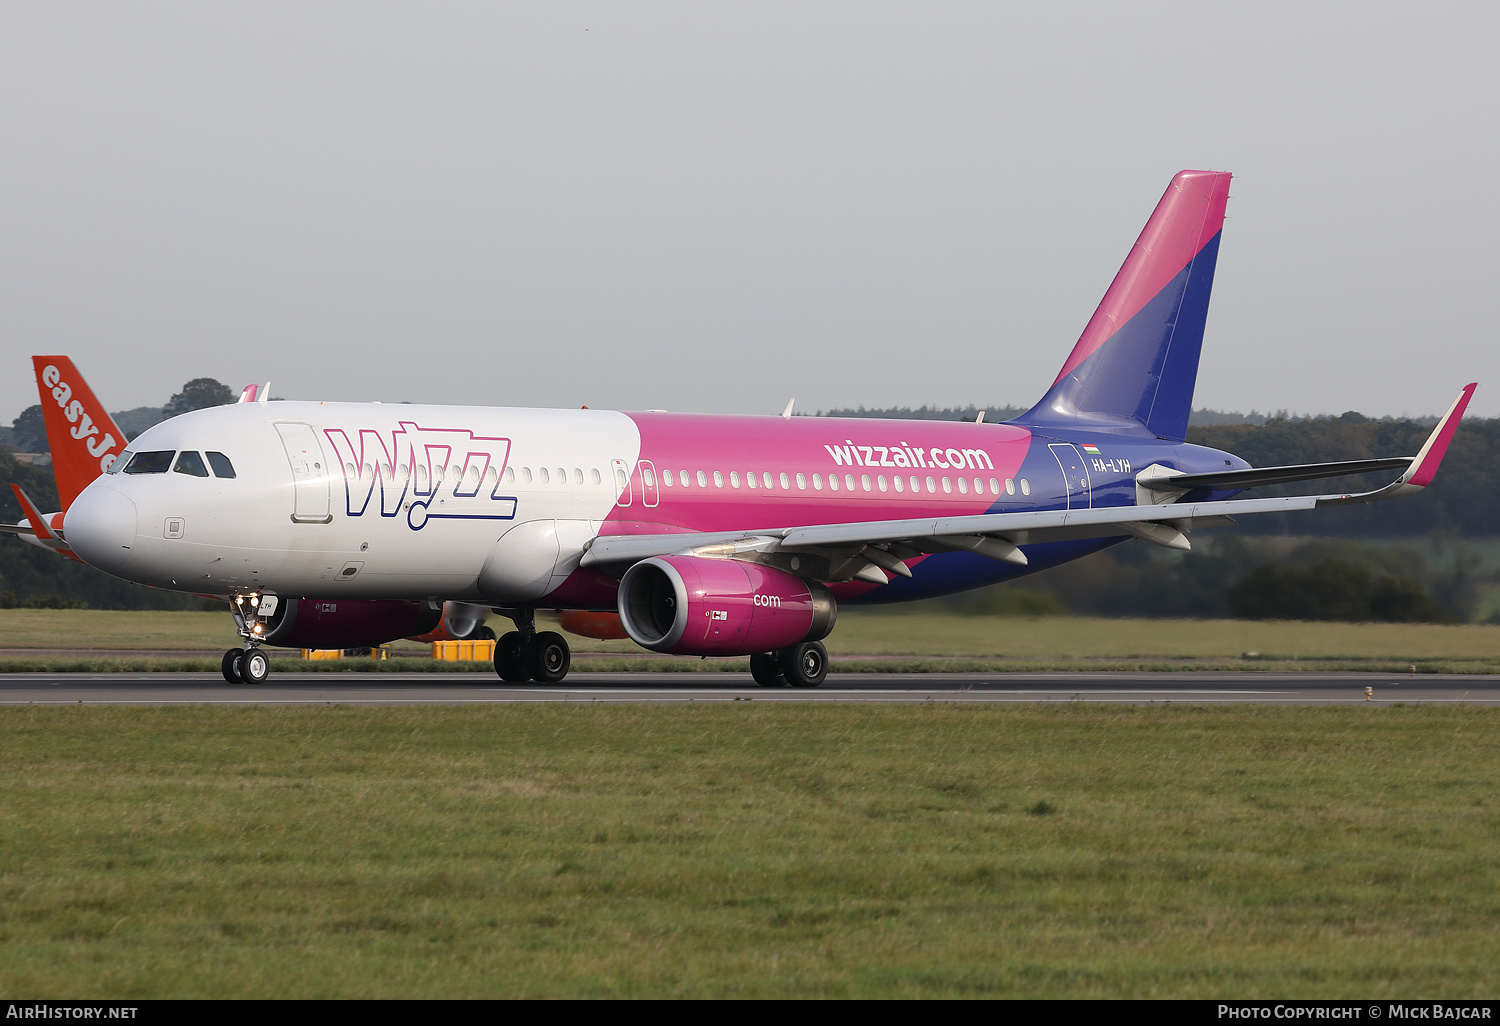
{"points": [[1333, 589], [198, 394], [30, 430]]}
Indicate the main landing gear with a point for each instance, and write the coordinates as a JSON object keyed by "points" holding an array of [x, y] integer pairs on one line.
{"points": [[524, 654], [249, 665], [801, 666]]}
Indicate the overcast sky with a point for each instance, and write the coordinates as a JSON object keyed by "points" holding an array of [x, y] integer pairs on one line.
{"points": [[714, 207]]}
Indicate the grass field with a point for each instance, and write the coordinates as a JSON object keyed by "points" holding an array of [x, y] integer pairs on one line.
{"points": [[914, 641], [748, 849]]}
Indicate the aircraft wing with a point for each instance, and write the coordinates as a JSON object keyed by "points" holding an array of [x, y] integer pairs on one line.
{"points": [[854, 550], [17, 529]]}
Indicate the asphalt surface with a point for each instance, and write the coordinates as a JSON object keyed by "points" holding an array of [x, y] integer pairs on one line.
{"points": [[470, 688]]}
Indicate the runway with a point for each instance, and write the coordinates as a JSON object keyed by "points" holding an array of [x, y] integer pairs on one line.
{"points": [[583, 688]]}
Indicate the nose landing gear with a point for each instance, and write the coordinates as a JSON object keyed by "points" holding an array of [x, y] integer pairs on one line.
{"points": [[524, 654], [249, 665]]}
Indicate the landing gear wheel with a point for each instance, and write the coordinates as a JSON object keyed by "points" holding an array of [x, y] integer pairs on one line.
{"points": [[766, 671], [510, 658], [255, 667], [230, 667], [548, 657], [805, 665]]}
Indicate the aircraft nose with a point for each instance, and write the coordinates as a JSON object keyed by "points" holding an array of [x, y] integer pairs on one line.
{"points": [[100, 527]]}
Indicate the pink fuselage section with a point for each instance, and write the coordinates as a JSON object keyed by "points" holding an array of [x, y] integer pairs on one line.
{"points": [[711, 461]]}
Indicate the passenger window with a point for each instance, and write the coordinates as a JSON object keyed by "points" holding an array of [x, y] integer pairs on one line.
{"points": [[931, 486], [578, 475], [718, 480], [899, 482], [766, 479], [994, 487], [802, 482], [682, 475], [619, 480], [734, 479], [833, 482], [562, 476], [880, 480], [1025, 487], [594, 472], [702, 479], [190, 463], [818, 482], [510, 475], [916, 485], [1010, 486], [751, 479], [864, 479], [947, 485], [542, 473], [849, 481], [526, 475], [150, 462], [647, 474], [963, 485], [220, 463], [785, 481]]}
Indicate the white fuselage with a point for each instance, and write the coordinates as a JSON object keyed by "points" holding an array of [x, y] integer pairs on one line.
{"points": [[363, 500]]}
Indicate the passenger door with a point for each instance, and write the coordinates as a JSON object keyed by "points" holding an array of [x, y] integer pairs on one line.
{"points": [[309, 473]]}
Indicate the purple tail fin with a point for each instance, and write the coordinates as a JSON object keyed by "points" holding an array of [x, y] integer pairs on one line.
{"points": [[1137, 361]]}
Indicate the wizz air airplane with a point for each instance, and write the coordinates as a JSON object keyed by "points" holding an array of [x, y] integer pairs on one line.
{"points": [[708, 535]]}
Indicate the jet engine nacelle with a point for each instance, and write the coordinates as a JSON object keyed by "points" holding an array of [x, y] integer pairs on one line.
{"points": [[695, 605], [346, 623]]}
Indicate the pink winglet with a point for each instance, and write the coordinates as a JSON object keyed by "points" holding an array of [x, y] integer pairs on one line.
{"points": [[1190, 213], [1427, 461], [247, 394]]}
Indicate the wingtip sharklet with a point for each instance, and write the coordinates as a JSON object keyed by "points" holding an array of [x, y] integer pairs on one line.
{"points": [[1424, 468]]}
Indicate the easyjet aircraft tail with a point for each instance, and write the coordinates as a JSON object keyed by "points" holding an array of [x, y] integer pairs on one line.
{"points": [[83, 437], [1136, 363]]}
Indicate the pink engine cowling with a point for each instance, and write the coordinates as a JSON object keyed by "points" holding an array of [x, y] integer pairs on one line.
{"points": [[695, 605], [348, 623]]}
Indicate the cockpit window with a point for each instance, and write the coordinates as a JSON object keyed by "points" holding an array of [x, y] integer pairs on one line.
{"points": [[118, 463], [189, 462], [220, 463], [149, 463]]}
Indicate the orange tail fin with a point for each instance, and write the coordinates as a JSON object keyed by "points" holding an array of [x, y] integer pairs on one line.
{"points": [[83, 437]]}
